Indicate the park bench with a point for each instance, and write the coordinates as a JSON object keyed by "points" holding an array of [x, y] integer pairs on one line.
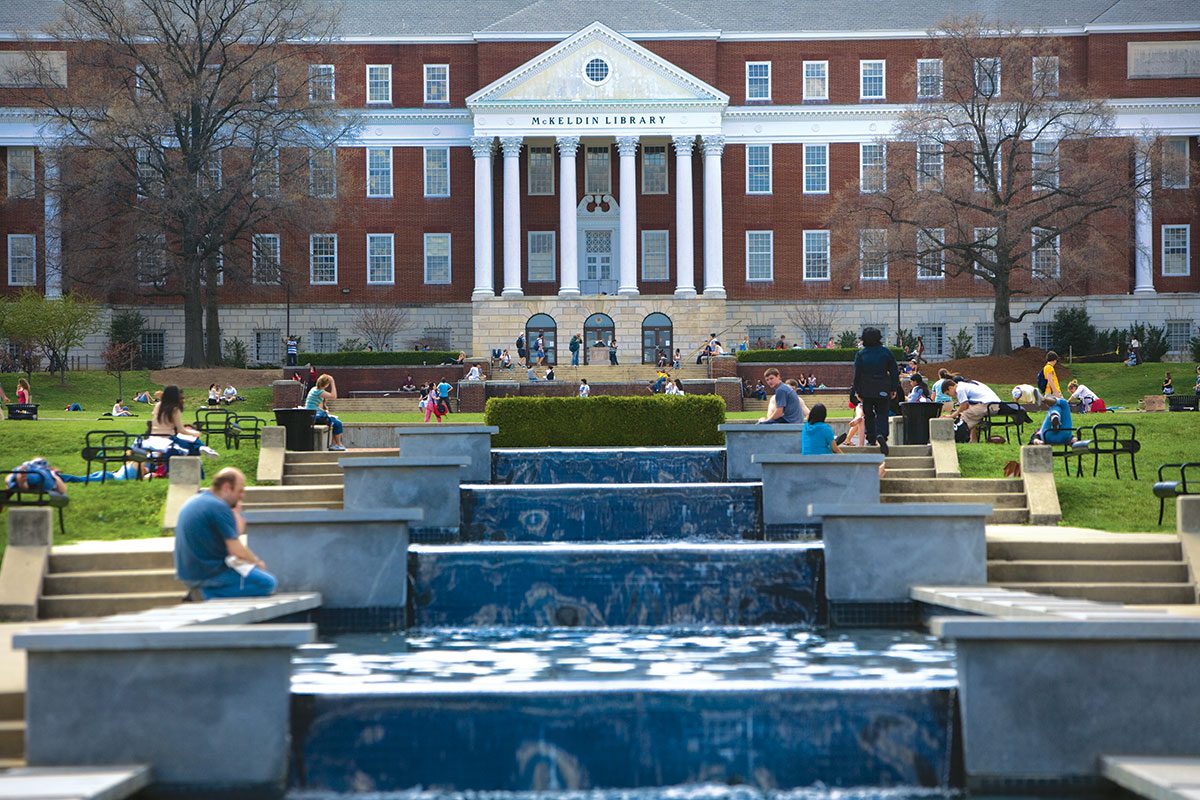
{"points": [[1103, 439], [33, 497], [1182, 402], [1006, 417], [1176, 487], [22, 411], [212, 421], [243, 428], [109, 447]]}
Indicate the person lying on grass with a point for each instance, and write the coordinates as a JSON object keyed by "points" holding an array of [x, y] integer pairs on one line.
{"points": [[129, 471], [36, 475]]}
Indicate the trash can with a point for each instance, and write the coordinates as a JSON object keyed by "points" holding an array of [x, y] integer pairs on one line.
{"points": [[916, 420], [22, 411], [297, 424]]}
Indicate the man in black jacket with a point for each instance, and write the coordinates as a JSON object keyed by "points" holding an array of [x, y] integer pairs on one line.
{"points": [[876, 383]]}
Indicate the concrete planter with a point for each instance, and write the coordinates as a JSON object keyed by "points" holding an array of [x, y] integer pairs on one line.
{"points": [[430, 483], [791, 483], [744, 440], [474, 441]]}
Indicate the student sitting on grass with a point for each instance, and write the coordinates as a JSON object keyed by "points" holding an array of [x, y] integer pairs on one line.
{"points": [[119, 409]]}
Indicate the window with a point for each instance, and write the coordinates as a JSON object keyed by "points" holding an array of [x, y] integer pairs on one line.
{"points": [[654, 169], [320, 83], [150, 261], [1175, 163], [760, 336], [437, 258], [816, 255], [816, 169], [1176, 250], [153, 348], [1179, 334], [1045, 165], [816, 80], [265, 259], [929, 165], [437, 171], [22, 259], [209, 177], [1044, 258], [931, 258], [929, 79], [758, 80], [983, 177], [266, 346], [871, 79], [437, 83], [148, 174], [1042, 337], [1045, 75], [541, 256], [987, 77], [597, 178], [381, 258], [872, 254], [324, 340], [760, 255], [322, 173], [655, 258], [758, 169], [985, 242], [872, 167], [541, 170], [265, 86], [266, 174], [20, 172], [379, 83], [379, 171], [436, 338], [596, 71], [933, 337], [322, 258], [985, 335]]}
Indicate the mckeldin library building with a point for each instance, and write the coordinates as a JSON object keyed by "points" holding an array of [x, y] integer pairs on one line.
{"points": [[654, 171]]}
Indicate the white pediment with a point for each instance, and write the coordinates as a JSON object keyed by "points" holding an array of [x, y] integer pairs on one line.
{"points": [[633, 75]]}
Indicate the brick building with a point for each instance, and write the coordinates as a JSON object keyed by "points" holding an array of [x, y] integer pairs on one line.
{"points": [[654, 172]]}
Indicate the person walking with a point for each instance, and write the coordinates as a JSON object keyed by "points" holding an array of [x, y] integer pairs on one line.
{"points": [[292, 346], [574, 346], [522, 353], [876, 383]]}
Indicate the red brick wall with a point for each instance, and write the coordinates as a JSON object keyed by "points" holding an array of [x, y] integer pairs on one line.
{"points": [[830, 374], [21, 216], [351, 379]]}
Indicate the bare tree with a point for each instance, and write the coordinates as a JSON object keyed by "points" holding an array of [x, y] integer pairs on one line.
{"points": [[380, 324], [1004, 170], [816, 318], [186, 126]]}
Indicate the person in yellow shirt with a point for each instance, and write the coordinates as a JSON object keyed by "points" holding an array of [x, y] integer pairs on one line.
{"points": [[1050, 376]]}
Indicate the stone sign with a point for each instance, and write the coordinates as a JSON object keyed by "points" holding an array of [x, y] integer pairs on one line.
{"points": [[1164, 60]]}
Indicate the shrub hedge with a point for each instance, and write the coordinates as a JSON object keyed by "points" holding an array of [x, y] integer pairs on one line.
{"points": [[605, 421], [814, 355], [363, 358]]}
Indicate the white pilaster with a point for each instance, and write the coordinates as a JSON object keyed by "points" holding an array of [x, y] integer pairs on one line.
{"points": [[714, 270], [481, 147], [685, 261], [627, 148], [52, 235], [511, 145], [568, 258], [1143, 277]]}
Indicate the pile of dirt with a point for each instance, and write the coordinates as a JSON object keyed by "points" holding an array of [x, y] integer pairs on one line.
{"points": [[1022, 366], [201, 378]]}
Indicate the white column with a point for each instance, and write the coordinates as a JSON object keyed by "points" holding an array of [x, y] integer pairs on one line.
{"points": [[481, 147], [52, 235], [714, 271], [627, 148], [685, 261], [511, 145], [568, 249], [1143, 276]]}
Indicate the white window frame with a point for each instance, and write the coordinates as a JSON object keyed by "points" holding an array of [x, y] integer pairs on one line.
{"points": [[862, 167], [977, 73], [666, 184], [770, 239], [824, 80], [980, 185], [1182, 178], [23, 237], [977, 346], [770, 166], [529, 171], [815, 147], [312, 259], [255, 251], [31, 191], [317, 334], [268, 171], [941, 76], [1187, 251], [333, 171], [589, 173], [1044, 61], [1043, 335], [1040, 170], [939, 235], [368, 151], [159, 245], [391, 241], [862, 78], [449, 258], [925, 182], [761, 98], [312, 71], [980, 234], [666, 240], [379, 101], [828, 265], [933, 336], [269, 94], [863, 235], [553, 256], [1034, 250], [1179, 343], [428, 81], [425, 151]]}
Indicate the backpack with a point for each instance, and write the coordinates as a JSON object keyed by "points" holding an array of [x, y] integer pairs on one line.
{"points": [[961, 432], [1042, 383]]}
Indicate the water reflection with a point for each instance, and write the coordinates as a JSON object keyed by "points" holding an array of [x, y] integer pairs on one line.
{"points": [[699, 792]]}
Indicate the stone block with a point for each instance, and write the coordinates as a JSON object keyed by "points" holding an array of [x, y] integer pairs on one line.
{"points": [[430, 483], [729, 389], [943, 447], [743, 440], [184, 483], [30, 527], [472, 396], [1187, 515], [472, 441], [271, 455], [791, 483], [1154, 402], [286, 394], [1041, 492], [876, 553], [21, 575], [723, 367]]}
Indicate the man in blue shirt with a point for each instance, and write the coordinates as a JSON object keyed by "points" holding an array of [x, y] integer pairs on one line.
{"points": [[787, 402], [206, 534]]}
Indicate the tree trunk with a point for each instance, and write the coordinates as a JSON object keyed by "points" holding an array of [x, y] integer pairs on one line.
{"points": [[1002, 320], [193, 324], [212, 316]]}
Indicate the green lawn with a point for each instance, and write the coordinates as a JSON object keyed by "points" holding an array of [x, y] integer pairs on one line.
{"points": [[1119, 385]]}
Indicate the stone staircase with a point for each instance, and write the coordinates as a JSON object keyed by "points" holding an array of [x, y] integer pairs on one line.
{"points": [[310, 480], [12, 729], [82, 582], [605, 373]]}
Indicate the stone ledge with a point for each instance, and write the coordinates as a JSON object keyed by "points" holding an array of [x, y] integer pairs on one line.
{"points": [[754, 427], [1121, 628], [76, 783], [890, 510], [141, 638], [835, 459], [333, 516], [1155, 777], [404, 461], [439, 429]]}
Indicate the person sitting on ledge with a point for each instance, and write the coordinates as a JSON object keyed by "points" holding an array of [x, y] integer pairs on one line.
{"points": [[408, 386], [550, 374], [787, 402]]}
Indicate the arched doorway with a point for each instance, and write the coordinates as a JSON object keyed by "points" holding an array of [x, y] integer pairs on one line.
{"points": [[596, 328], [656, 335], [542, 325]]}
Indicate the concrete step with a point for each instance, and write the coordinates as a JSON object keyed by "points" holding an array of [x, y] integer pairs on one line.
{"points": [[323, 479], [902, 485], [1089, 571], [996, 500], [1128, 593], [311, 468], [1009, 516], [908, 462], [12, 739], [909, 473], [120, 581], [276, 494], [12, 705], [11, 763], [67, 561], [895, 450], [1128, 548], [284, 504], [103, 605], [332, 456]]}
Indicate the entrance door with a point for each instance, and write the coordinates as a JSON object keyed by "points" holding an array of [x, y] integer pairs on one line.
{"points": [[656, 337], [542, 325], [596, 328], [597, 264]]}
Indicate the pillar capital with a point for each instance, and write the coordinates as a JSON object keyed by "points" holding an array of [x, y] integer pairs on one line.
{"points": [[627, 146], [714, 145], [568, 146], [511, 146], [482, 146], [684, 145]]}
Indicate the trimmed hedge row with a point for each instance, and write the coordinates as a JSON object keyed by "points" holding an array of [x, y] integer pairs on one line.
{"points": [[605, 421], [814, 355], [364, 358]]}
